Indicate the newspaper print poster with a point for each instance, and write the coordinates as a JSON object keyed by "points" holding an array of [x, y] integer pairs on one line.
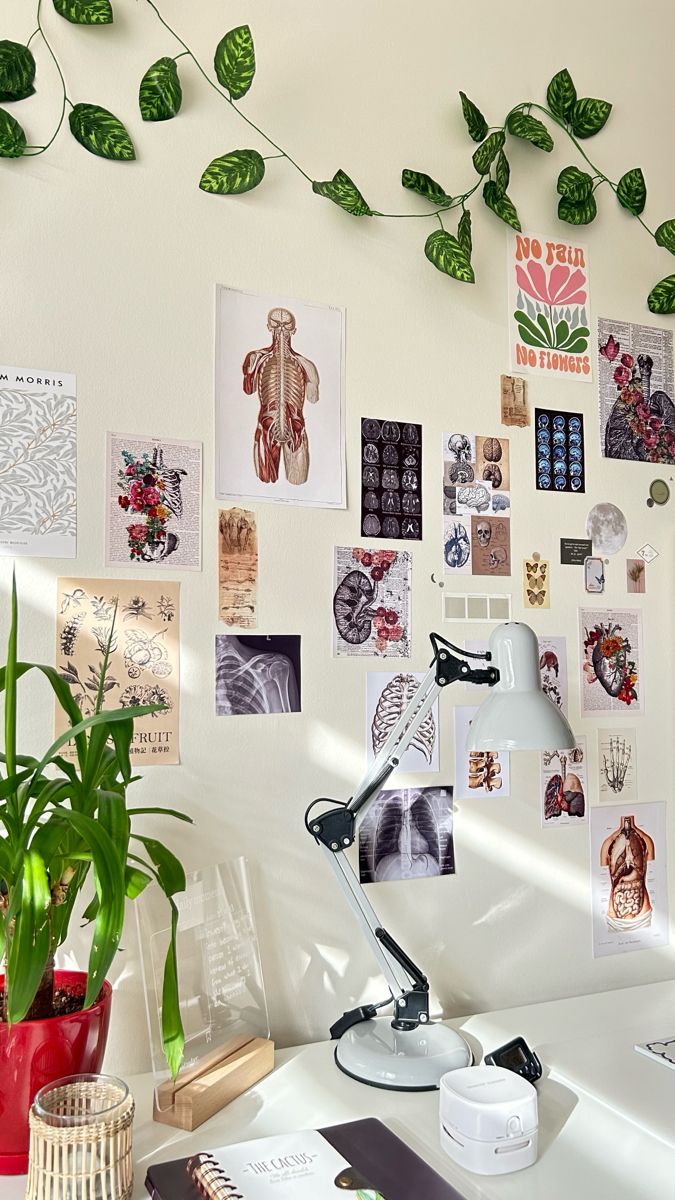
{"points": [[38, 463], [564, 786], [635, 392], [553, 670], [371, 602], [407, 834], [549, 307], [477, 772], [387, 697], [391, 479], [476, 505], [144, 663], [629, 879], [237, 567], [280, 418], [610, 647], [154, 510], [617, 765]]}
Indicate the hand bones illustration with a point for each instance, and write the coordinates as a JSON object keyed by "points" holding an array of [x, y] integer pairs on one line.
{"points": [[283, 380]]}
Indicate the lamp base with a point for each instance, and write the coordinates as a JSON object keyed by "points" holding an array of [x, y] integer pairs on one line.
{"points": [[403, 1060]]}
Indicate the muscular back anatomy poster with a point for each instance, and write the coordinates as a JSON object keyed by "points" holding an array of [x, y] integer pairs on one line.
{"points": [[407, 834], [629, 878], [279, 380], [371, 602]]}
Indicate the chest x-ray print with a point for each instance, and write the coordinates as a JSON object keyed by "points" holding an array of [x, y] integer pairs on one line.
{"points": [[407, 834]]}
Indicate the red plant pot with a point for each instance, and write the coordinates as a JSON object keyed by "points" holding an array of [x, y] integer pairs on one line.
{"points": [[34, 1053]]}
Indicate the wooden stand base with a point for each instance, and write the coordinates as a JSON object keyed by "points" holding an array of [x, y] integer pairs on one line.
{"points": [[213, 1082]]}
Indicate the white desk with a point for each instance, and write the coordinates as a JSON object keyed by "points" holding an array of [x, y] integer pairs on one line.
{"points": [[607, 1114]]}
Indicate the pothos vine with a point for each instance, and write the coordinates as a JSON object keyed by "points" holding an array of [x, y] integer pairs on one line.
{"points": [[160, 98]]}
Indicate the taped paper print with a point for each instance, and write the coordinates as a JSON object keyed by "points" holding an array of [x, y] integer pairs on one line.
{"points": [[476, 505], [391, 479], [611, 661], [407, 834], [549, 307], [153, 516], [371, 602], [617, 765], [629, 878], [237, 567], [257, 675], [564, 786], [536, 582], [635, 392], [387, 697], [514, 407]]}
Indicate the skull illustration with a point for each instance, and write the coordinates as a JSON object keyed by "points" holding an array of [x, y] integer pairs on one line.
{"points": [[483, 534], [497, 558], [459, 447], [281, 318]]}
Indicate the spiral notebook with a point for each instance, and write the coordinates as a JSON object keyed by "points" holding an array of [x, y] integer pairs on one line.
{"points": [[360, 1159]]}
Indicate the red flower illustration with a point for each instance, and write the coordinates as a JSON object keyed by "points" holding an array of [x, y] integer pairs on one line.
{"points": [[621, 376], [563, 285], [627, 359], [611, 349]]}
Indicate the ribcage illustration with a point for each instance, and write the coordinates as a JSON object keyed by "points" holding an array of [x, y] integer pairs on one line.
{"points": [[352, 607], [393, 700], [406, 836]]}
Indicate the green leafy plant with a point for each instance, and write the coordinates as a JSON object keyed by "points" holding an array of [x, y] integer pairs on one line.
{"points": [[64, 825], [235, 171]]}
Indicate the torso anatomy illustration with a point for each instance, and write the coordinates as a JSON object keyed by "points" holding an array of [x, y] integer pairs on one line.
{"points": [[626, 852], [248, 681], [283, 380]]}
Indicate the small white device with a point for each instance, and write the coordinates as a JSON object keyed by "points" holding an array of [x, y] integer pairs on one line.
{"points": [[489, 1121]]}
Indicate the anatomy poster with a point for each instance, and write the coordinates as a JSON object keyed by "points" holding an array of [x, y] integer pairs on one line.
{"points": [[629, 878], [559, 452], [549, 308], [237, 567], [513, 398], [553, 669], [257, 675], [611, 661], [371, 602], [387, 697], [38, 463], [635, 392], [617, 765], [280, 419], [407, 834], [144, 664], [564, 786], [478, 772], [476, 505], [391, 479], [154, 504]]}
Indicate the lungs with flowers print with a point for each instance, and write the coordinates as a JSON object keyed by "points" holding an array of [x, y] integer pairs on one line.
{"points": [[635, 385], [549, 307]]}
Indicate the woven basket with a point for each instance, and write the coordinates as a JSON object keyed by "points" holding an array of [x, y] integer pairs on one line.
{"points": [[80, 1140]]}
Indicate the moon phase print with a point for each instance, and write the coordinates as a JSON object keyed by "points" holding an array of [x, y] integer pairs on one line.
{"points": [[559, 451], [391, 479]]}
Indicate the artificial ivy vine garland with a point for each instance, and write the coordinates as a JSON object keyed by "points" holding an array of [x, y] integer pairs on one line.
{"points": [[160, 97]]}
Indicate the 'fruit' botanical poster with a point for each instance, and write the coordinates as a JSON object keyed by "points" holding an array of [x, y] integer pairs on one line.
{"points": [[549, 307]]}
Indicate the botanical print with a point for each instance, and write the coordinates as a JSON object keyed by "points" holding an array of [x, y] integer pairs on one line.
{"points": [[629, 878], [636, 576], [391, 479], [154, 502], [611, 660], [536, 582], [237, 567], [635, 392], [559, 452], [387, 697], [553, 669], [549, 321], [279, 400], [477, 772], [257, 675], [513, 397], [564, 786], [38, 463], [476, 504], [143, 667], [617, 765], [407, 834], [371, 602]]}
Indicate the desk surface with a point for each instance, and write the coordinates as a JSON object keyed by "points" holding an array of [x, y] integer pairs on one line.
{"points": [[606, 1113]]}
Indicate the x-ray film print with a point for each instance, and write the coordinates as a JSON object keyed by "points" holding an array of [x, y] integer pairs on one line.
{"points": [[391, 479], [257, 675], [407, 834], [559, 451]]}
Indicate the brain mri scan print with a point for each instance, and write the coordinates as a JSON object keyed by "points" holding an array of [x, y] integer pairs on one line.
{"points": [[391, 461]]}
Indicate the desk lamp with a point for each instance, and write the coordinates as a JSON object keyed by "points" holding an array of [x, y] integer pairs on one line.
{"points": [[410, 1052]]}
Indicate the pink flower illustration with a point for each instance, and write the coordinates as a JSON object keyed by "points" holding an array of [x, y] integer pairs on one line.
{"points": [[611, 349], [621, 376], [151, 496], [563, 286], [627, 359], [137, 532]]}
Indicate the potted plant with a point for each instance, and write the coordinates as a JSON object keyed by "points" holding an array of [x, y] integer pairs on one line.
{"points": [[64, 825]]}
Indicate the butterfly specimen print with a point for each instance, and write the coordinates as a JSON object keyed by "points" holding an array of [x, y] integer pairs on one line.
{"points": [[536, 587]]}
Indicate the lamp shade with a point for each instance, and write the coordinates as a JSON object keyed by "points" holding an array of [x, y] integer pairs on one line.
{"points": [[516, 715]]}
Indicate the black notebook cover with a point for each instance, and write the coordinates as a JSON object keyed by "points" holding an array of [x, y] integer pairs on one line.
{"points": [[390, 1166]]}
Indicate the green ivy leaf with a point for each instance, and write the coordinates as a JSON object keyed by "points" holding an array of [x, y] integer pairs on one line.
{"points": [[577, 212], [530, 129], [160, 94], [475, 121], [488, 150], [425, 186], [502, 173], [101, 133], [85, 12], [17, 72], [464, 232], [575, 184], [344, 192], [665, 235], [561, 95], [233, 173], [589, 116], [661, 299], [502, 206], [631, 191], [234, 61], [12, 136], [446, 254]]}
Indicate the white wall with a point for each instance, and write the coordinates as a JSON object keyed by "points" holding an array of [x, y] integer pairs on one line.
{"points": [[108, 271]]}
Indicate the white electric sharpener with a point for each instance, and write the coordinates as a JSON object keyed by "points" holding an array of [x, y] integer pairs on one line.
{"points": [[489, 1121]]}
